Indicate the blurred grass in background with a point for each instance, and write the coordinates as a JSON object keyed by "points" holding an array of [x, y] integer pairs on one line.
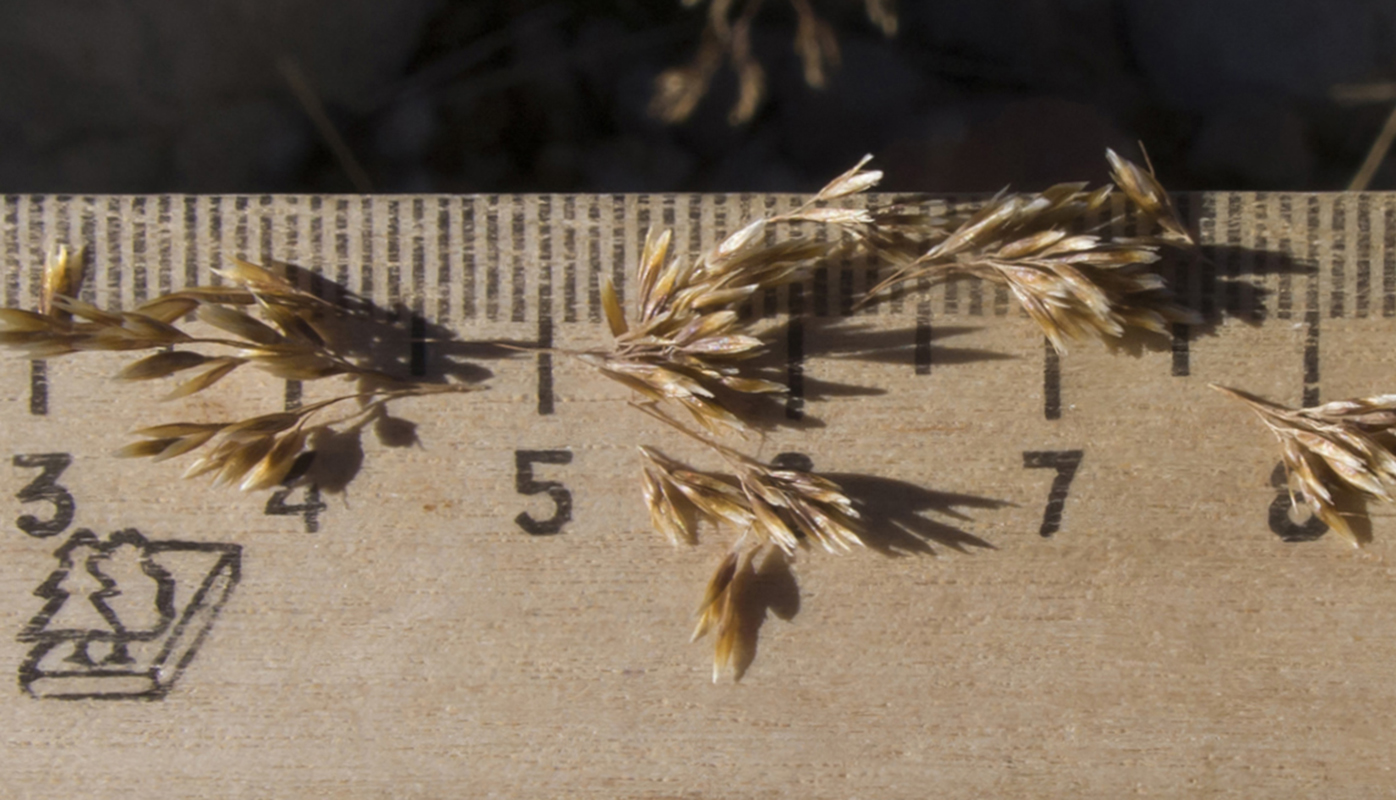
{"points": [[547, 95]]}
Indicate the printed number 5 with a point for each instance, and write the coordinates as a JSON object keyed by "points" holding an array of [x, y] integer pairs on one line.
{"points": [[526, 485]]}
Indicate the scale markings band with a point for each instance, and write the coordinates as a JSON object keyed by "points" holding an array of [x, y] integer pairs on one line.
{"points": [[539, 261], [525, 266]]}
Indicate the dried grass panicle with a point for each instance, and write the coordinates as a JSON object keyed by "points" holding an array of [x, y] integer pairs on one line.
{"points": [[815, 43], [258, 452], [1073, 284], [255, 453], [1345, 445], [770, 507], [290, 340], [678, 90], [687, 343], [774, 505], [781, 507], [292, 343], [292, 346], [883, 14]]}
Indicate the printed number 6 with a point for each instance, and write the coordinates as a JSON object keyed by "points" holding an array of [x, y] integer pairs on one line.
{"points": [[526, 485], [1280, 521]]}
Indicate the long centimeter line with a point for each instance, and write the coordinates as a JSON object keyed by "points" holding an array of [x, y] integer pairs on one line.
{"points": [[475, 261]]}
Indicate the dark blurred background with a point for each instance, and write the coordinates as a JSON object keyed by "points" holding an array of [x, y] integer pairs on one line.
{"points": [[549, 95]]}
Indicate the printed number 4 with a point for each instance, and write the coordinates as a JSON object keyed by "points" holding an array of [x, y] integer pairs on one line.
{"points": [[308, 510]]}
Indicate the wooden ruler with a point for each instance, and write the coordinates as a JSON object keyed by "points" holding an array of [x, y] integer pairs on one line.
{"points": [[1088, 580]]}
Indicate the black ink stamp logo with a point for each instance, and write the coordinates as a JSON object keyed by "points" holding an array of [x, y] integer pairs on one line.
{"points": [[122, 618]]}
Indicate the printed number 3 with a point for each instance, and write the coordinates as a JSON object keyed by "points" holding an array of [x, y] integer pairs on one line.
{"points": [[526, 485], [45, 489]]}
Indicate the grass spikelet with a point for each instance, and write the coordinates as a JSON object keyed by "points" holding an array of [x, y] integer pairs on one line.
{"points": [[62, 276], [277, 463], [220, 369], [239, 324], [722, 607], [162, 365], [1144, 190]]}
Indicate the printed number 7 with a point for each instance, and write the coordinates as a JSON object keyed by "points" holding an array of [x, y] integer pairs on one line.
{"points": [[1065, 463]]}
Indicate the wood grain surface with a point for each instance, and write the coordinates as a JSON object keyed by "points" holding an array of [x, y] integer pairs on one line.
{"points": [[410, 638]]}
